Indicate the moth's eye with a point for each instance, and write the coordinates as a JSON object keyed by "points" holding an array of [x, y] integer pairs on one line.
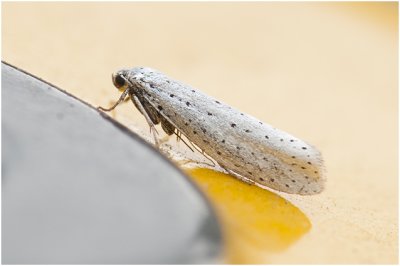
{"points": [[118, 80]]}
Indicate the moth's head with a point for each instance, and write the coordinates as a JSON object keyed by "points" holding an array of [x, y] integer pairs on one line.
{"points": [[122, 78], [119, 80]]}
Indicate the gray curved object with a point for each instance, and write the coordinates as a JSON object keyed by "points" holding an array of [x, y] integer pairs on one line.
{"points": [[79, 188]]}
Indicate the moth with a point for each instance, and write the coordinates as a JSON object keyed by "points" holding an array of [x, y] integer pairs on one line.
{"points": [[244, 146]]}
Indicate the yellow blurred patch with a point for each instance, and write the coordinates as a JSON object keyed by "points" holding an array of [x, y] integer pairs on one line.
{"points": [[255, 222]]}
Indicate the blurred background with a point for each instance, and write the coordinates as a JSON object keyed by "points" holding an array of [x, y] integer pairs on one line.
{"points": [[324, 72]]}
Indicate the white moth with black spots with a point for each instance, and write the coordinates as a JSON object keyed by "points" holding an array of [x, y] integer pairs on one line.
{"points": [[241, 144]]}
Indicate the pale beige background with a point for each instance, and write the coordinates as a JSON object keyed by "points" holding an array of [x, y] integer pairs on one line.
{"points": [[325, 72]]}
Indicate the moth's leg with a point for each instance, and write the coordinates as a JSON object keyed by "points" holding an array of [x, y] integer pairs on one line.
{"points": [[151, 111], [111, 102], [204, 154], [167, 126], [151, 124], [169, 130], [121, 99], [240, 177], [189, 161], [124, 101]]}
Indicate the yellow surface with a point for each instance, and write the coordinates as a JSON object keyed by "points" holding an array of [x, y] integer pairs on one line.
{"points": [[325, 72], [256, 222]]}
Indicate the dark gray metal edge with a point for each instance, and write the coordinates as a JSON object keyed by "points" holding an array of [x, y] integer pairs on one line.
{"points": [[135, 136]]}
